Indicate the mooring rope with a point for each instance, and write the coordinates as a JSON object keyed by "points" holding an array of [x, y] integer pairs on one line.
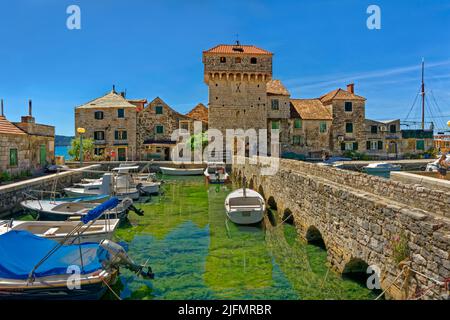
{"points": [[393, 282], [110, 289]]}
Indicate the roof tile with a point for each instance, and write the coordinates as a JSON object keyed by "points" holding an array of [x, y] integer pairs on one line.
{"points": [[7, 127], [237, 49], [309, 109]]}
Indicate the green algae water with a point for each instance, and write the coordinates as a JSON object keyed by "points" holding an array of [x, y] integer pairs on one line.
{"points": [[196, 253]]}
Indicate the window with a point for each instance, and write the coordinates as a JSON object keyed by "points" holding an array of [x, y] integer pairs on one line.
{"points": [[223, 60], [13, 159], [275, 104], [298, 123], [159, 129], [159, 110], [349, 127], [349, 146], [120, 135], [120, 113], [374, 145], [99, 135], [392, 128], [420, 144], [348, 106], [297, 140], [237, 60], [275, 124], [253, 60], [374, 129], [98, 115], [184, 125], [322, 127]]}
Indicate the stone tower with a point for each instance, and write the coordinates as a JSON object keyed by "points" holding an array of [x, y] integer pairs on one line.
{"points": [[237, 76]]}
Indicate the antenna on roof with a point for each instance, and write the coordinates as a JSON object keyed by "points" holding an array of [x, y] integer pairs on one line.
{"points": [[237, 39]]}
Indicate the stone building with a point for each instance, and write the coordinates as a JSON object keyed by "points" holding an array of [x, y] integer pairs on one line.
{"points": [[236, 76], [242, 94], [155, 125], [111, 121], [25, 146]]}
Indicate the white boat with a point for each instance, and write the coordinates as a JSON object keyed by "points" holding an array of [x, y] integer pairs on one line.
{"points": [[381, 167], [245, 206], [121, 190], [129, 177], [58, 230], [181, 171], [61, 210], [216, 172], [433, 166]]}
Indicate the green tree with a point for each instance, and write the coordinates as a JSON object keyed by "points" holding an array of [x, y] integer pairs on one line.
{"points": [[88, 149], [199, 140]]}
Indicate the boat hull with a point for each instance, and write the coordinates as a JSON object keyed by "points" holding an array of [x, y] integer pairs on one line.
{"points": [[181, 172], [246, 217], [92, 289]]}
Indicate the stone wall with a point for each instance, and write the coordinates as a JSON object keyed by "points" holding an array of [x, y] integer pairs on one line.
{"points": [[237, 90], [359, 216], [85, 118], [341, 117], [12, 194], [313, 142]]}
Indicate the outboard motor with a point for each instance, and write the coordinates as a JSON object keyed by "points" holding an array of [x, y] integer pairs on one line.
{"points": [[119, 257]]}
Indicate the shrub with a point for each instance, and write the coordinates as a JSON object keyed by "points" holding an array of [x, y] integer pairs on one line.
{"points": [[400, 248]]}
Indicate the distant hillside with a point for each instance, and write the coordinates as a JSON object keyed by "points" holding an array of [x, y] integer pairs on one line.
{"points": [[62, 140]]}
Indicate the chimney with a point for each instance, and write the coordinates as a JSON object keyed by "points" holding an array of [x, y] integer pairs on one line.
{"points": [[351, 88], [2, 114], [122, 93], [114, 88], [29, 118]]}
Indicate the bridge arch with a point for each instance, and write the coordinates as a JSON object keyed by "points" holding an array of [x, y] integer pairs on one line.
{"points": [[288, 217], [314, 237], [272, 204], [356, 270]]}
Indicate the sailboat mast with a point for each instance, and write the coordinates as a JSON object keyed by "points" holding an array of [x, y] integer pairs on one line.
{"points": [[423, 94]]}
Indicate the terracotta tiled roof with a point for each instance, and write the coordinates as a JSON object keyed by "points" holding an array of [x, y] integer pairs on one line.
{"points": [[200, 112], [275, 87], [7, 127], [137, 100], [309, 109], [111, 99], [239, 49], [340, 94]]}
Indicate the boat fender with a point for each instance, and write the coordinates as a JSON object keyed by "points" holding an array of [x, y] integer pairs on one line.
{"points": [[119, 257]]}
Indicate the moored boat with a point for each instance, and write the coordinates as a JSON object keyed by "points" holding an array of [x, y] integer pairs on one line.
{"points": [[245, 206], [181, 171], [121, 188], [216, 172], [62, 210], [381, 167], [58, 230], [36, 268]]}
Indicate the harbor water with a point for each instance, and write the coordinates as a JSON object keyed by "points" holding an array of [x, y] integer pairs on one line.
{"points": [[196, 253]]}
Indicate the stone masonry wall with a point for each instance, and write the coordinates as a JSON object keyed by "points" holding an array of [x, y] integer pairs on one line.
{"points": [[358, 217], [12, 194]]}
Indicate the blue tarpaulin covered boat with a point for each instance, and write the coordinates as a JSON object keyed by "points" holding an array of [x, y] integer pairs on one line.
{"points": [[20, 251]]}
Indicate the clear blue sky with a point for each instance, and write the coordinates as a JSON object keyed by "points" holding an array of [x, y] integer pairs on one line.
{"points": [[153, 48]]}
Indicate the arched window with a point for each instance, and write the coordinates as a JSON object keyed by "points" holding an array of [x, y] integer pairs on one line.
{"points": [[253, 60], [223, 60]]}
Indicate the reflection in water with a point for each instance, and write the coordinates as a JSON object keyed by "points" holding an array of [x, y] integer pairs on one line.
{"points": [[197, 254]]}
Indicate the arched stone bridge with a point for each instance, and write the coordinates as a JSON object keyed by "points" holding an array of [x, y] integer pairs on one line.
{"points": [[364, 220]]}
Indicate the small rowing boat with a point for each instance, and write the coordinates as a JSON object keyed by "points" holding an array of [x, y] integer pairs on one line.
{"points": [[181, 171]]}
